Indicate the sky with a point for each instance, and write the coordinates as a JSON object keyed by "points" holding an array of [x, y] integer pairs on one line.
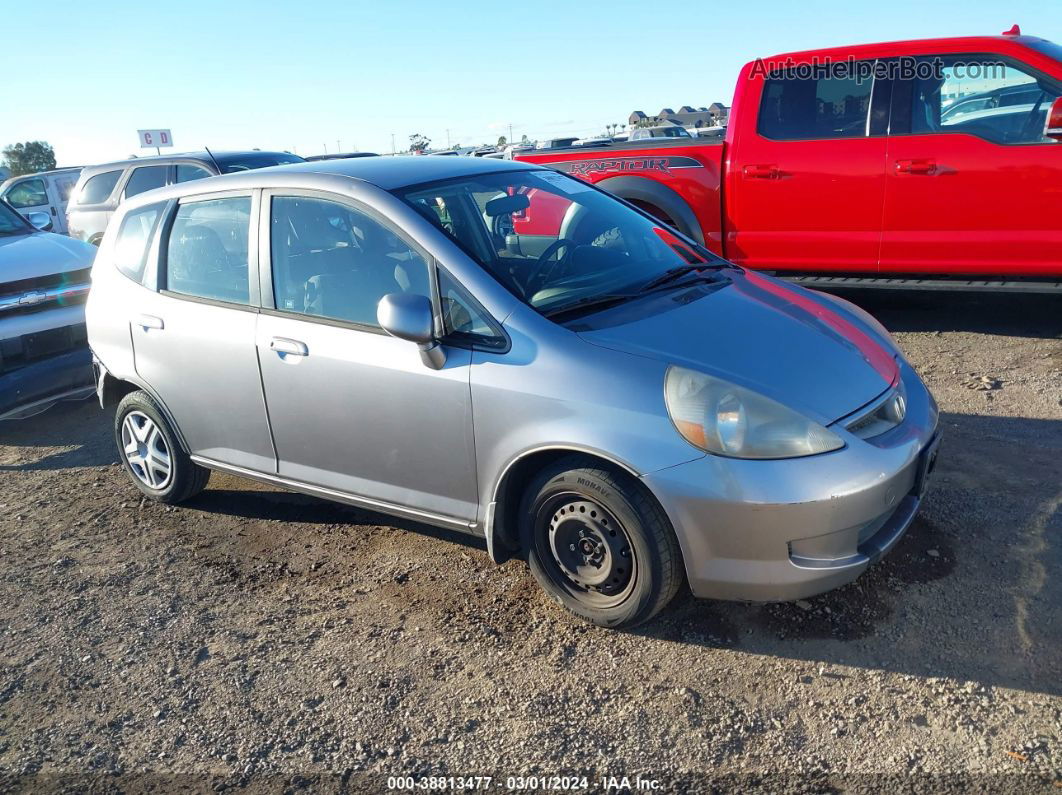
{"points": [[319, 75]]}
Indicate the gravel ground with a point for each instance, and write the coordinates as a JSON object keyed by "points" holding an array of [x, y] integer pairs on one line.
{"points": [[264, 640]]}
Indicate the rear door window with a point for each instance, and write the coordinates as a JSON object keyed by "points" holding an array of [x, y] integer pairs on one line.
{"points": [[98, 188], [206, 255], [31, 193], [145, 178], [829, 104]]}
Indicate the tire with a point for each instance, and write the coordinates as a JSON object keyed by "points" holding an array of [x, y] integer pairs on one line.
{"points": [[145, 442], [598, 543]]}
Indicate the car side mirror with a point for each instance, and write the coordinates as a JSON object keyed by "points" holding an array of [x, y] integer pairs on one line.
{"points": [[410, 317], [1053, 124], [41, 221]]}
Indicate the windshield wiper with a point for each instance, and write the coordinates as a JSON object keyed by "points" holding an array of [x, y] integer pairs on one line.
{"points": [[591, 302], [673, 274]]}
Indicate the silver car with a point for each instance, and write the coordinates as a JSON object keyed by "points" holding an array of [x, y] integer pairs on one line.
{"points": [[504, 350]]}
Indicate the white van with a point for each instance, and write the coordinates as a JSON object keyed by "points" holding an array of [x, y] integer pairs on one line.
{"points": [[46, 192]]}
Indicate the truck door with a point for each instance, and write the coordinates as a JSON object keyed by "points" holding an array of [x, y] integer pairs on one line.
{"points": [[807, 171], [30, 195], [972, 186]]}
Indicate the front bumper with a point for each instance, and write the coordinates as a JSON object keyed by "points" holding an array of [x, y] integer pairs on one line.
{"points": [[44, 357], [792, 528]]}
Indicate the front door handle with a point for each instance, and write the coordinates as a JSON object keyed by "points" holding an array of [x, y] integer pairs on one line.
{"points": [[288, 347], [149, 321], [761, 171], [916, 167]]}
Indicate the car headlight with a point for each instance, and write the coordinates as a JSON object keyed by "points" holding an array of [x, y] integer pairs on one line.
{"points": [[728, 420]]}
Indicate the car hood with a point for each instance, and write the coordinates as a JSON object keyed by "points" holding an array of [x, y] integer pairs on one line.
{"points": [[782, 341], [42, 254]]}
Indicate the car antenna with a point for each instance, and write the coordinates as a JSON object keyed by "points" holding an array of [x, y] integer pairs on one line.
{"points": [[213, 160]]}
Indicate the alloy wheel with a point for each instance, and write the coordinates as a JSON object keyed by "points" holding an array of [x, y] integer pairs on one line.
{"points": [[146, 450]]}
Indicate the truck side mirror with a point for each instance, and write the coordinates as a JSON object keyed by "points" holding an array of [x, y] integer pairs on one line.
{"points": [[41, 221], [1053, 125]]}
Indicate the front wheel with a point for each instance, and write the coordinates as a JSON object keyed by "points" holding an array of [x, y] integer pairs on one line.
{"points": [[151, 454], [597, 542]]}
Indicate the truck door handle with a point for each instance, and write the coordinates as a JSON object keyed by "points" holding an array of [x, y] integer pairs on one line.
{"points": [[149, 321], [916, 167], [288, 347], [761, 171]]}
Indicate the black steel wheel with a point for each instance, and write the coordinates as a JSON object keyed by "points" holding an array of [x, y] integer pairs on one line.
{"points": [[597, 542]]}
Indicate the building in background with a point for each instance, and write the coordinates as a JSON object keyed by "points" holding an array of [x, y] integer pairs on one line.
{"points": [[715, 115]]}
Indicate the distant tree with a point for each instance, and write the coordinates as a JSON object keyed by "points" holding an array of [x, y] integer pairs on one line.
{"points": [[29, 158], [524, 139], [502, 141], [418, 143]]}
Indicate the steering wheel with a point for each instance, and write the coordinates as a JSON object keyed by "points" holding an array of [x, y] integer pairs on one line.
{"points": [[1028, 128], [537, 277]]}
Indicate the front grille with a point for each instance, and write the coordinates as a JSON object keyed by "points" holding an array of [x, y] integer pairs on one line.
{"points": [[882, 415], [45, 282], [23, 296]]}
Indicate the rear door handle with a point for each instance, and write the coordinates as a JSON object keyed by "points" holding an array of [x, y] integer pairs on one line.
{"points": [[761, 171], [149, 321], [288, 347], [916, 167]]}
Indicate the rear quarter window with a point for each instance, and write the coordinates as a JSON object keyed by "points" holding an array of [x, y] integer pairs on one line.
{"points": [[131, 245], [98, 188]]}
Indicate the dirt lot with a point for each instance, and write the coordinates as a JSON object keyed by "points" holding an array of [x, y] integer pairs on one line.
{"points": [[261, 639]]}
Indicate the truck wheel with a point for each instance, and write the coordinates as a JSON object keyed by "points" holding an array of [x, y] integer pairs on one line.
{"points": [[151, 454], [599, 544]]}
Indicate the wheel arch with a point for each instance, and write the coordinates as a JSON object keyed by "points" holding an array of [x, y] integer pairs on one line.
{"points": [[112, 389], [639, 190], [501, 527]]}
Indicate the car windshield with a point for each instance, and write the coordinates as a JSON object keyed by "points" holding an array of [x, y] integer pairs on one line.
{"points": [[11, 223], [556, 242]]}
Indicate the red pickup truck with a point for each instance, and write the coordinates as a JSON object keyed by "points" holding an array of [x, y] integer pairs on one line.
{"points": [[927, 160]]}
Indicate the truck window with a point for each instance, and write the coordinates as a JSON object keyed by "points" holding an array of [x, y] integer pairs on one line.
{"points": [[983, 96], [30, 193], [824, 106]]}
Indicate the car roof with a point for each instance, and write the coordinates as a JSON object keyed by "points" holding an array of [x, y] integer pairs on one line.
{"points": [[20, 177], [201, 156], [399, 171]]}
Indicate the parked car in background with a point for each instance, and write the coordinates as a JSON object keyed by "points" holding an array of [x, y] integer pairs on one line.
{"points": [[866, 173], [661, 131], [593, 140], [44, 280], [611, 401], [552, 143], [100, 189], [44, 192], [339, 156]]}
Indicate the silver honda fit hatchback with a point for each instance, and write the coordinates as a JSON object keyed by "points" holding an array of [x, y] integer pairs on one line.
{"points": [[507, 351]]}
